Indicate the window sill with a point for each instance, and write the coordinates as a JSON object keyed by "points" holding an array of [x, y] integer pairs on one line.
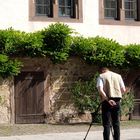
{"points": [[56, 19], [119, 22]]}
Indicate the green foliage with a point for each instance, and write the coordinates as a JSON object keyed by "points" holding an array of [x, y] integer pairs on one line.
{"points": [[57, 41], [3, 38], [127, 103], [133, 55], [9, 67], [108, 53], [20, 43], [99, 51], [83, 47], [85, 95]]}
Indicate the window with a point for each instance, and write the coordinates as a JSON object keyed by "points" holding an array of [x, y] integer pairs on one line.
{"points": [[55, 10], [43, 8], [119, 12], [110, 9], [130, 9], [66, 8]]}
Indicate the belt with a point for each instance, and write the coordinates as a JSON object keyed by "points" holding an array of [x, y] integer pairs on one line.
{"points": [[115, 99]]}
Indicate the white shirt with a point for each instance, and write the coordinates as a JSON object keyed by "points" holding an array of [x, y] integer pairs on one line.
{"points": [[100, 83]]}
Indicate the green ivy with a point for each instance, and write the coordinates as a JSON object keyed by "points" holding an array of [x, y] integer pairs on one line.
{"points": [[99, 51], [85, 94], [57, 41], [86, 97], [132, 55], [22, 44], [83, 47], [9, 67], [127, 103], [3, 39], [108, 53]]}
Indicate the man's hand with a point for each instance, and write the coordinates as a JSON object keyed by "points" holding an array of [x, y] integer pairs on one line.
{"points": [[127, 90], [112, 102]]}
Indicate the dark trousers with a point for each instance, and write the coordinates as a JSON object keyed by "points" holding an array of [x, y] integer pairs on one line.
{"points": [[111, 116]]}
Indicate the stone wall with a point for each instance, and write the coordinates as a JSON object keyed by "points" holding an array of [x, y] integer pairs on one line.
{"points": [[58, 104], [5, 101], [63, 76]]}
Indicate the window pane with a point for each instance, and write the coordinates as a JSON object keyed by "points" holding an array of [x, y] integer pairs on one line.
{"points": [[66, 8], [110, 13], [39, 1], [110, 4], [47, 2], [43, 7], [43, 2], [130, 9], [129, 14], [68, 2], [39, 9], [61, 2], [110, 8], [129, 5], [61, 11]]}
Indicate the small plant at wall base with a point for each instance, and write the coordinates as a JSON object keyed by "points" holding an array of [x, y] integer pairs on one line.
{"points": [[127, 104], [86, 98], [85, 95]]}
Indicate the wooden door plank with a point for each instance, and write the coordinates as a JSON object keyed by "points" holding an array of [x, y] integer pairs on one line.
{"points": [[29, 97]]}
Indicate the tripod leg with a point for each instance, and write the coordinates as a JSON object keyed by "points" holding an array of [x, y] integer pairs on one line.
{"points": [[112, 131], [88, 131]]}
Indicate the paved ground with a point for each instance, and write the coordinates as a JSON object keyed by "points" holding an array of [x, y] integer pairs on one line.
{"points": [[64, 132], [129, 134]]}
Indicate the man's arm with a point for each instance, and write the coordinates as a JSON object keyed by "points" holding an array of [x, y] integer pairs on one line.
{"points": [[122, 86], [123, 89], [100, 89], [104, 97], [102, 93]]}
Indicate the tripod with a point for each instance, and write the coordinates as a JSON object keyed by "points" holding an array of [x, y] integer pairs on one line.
{"points": [[111, 130], [94, 115]]}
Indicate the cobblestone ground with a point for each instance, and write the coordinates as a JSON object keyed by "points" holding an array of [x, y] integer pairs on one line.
{"points": [[27, 129]]}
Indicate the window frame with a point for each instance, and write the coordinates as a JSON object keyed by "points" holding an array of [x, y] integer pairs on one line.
{"points": [[44, 6], [120, 20], [66, 7], [78, 17], [110, 9], [130, 9]]}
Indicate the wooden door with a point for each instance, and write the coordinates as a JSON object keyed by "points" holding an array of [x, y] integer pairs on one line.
{"points": [[29, 97], [136, 111]]}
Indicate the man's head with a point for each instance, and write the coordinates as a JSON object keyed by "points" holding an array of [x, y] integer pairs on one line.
{"points": [[103, 69]]}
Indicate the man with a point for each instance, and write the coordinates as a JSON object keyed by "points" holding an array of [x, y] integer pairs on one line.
{"points": [[110, 86]]}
